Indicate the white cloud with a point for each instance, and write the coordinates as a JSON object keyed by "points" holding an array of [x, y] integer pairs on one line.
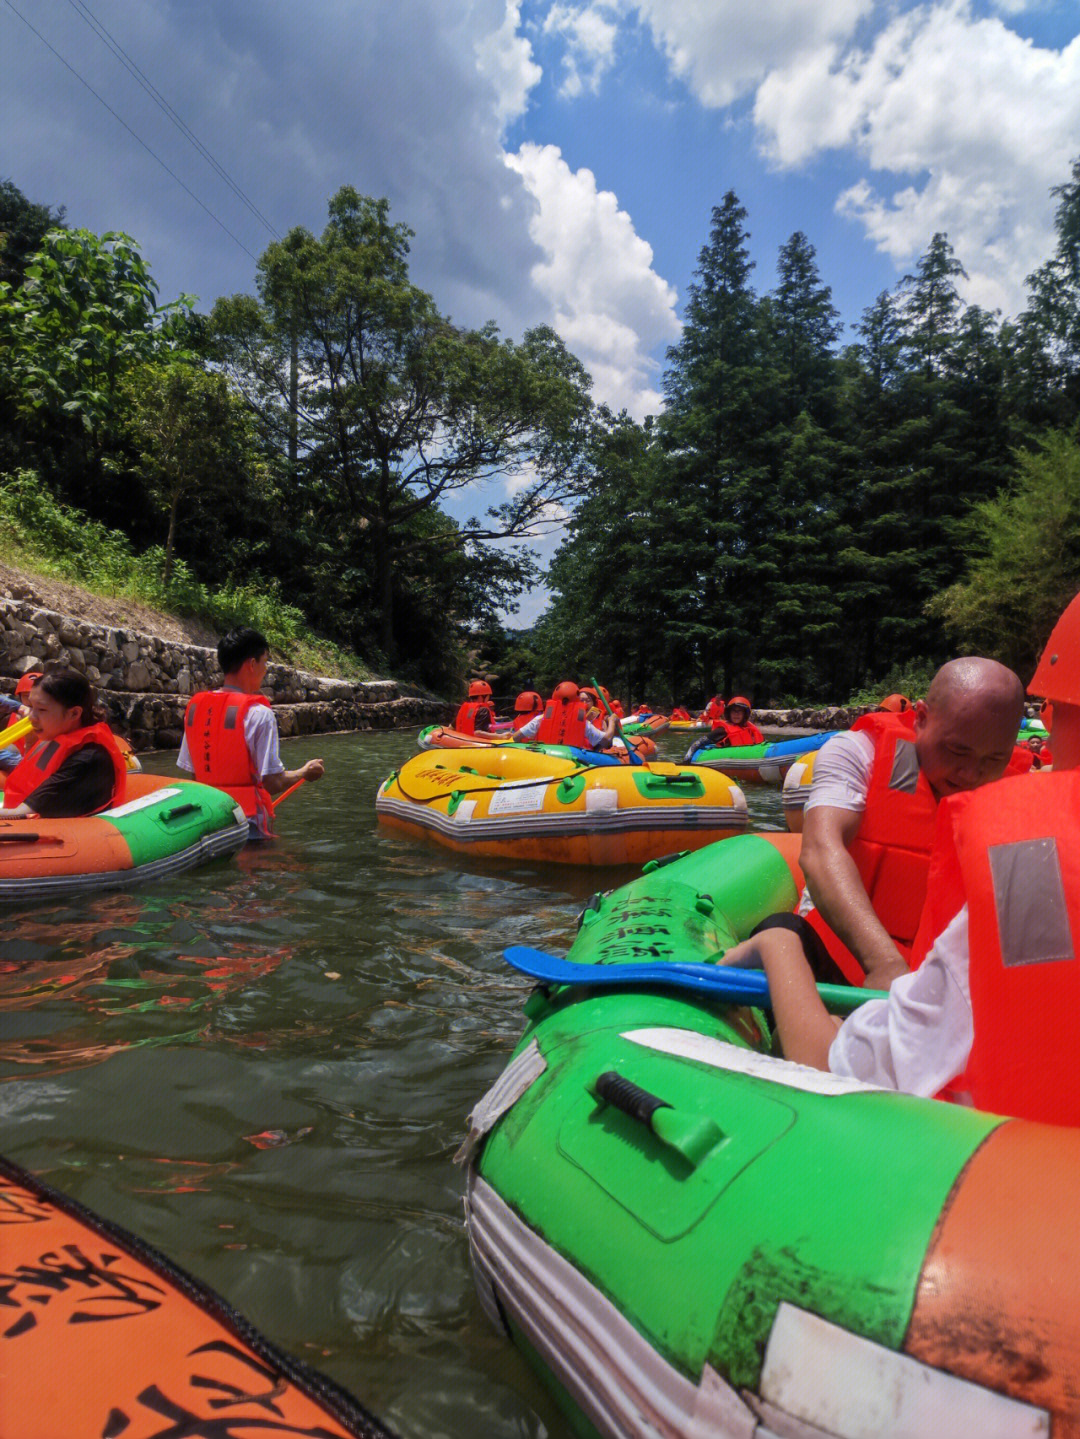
{"points": [[590, 33], [504, 59], [608, 302], [979, 123], [721, 49]]}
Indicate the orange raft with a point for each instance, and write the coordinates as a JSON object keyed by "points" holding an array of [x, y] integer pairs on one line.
{"points": [[102, 1337], [162, 828]]}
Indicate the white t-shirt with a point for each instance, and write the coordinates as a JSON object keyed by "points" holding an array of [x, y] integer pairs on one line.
{"points": [[920, 1037], [594, 737], [841, 780], [260, 735]]}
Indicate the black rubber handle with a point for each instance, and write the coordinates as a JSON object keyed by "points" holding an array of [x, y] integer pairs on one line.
{"points": [[178, 810], [638, 1103], [6, 837]]}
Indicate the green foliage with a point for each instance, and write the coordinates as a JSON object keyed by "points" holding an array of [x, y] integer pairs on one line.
{"points": [[912, 678], [386, 409], [1025, 559], [67, 543]]}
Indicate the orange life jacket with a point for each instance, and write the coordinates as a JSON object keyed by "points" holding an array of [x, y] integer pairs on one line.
{"points": [[896, 834], [466, 715], [562, 724], [679, 713], [1017, 865], [523, 719], [214, 726], [19, 744], [617, 709], [714, 711], [46, 757], [739, 734]]}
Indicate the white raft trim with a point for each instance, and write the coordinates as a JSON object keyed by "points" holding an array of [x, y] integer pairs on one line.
{"points": [[704, 1049], [614, 1374], [518, 1076], [846, 1385]]}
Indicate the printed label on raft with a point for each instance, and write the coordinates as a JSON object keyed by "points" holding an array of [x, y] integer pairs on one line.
{"points": [[142, 802], [522, 800]]}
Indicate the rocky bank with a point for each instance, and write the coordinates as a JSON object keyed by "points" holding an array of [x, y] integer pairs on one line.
{"points": [[144, 681]]}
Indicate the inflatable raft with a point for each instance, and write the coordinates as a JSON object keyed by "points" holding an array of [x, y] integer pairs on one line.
{"points": [[689, 1237], [104, 1337], [163, 827], [760, 763], [512, 803]]}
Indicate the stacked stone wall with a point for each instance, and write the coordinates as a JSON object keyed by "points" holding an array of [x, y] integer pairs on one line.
{"points": [[144, 681]]}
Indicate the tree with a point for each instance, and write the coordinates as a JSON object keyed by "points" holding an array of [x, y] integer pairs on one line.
{"points": [[84, 316], [1025, 558], [388, 408], [23, 226], [191, 433], [1054, 308]]}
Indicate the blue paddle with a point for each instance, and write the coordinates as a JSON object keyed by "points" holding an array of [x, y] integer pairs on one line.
{"points": [[741, 986]]}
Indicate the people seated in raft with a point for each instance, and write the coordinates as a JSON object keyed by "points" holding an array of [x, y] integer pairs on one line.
{"points": [[231, 735], [997, 953], [868, 825], [73, 765], [713, 712], [527, 705], [18, 709], [737, 728], [477, 713], [564, 721], [1041, 755], [681, 713]]}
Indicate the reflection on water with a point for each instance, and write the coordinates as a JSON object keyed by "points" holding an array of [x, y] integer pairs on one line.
{"points": [[263, 1068]]}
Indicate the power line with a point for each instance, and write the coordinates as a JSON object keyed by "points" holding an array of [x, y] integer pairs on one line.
{"points": [[132, 68], [130, 131]]}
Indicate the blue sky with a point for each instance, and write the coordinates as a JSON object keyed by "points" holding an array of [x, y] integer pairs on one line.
{"points": [[558, 160]]}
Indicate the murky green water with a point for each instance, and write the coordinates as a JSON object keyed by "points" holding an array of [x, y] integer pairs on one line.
{"points": [[263, 1069]]}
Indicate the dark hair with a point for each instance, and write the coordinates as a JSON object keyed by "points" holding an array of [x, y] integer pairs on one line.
{"points": [[240, 645], [72, 690]]}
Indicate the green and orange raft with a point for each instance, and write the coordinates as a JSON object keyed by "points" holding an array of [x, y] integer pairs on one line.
{"points": [[688, 1236]]}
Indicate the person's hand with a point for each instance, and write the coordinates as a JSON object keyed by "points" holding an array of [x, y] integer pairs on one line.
{"points": [[314, 769], [746, 955]]}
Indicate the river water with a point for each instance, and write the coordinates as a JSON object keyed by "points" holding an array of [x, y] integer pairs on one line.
{"points": [[263, 1068]]}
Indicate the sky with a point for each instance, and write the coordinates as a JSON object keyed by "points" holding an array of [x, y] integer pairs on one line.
{"points": [[558, 161]]}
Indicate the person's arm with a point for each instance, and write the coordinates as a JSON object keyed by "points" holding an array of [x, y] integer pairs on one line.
{"points": [[607, 734], [277, 783], [20, 812], [834, 882], [805, 1026]]}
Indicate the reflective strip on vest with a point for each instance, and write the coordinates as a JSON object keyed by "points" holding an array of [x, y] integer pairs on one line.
{"points": [[1029, 896], [231, 712], [905, 767]]}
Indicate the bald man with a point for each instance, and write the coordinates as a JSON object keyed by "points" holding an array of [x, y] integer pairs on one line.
{"points": [[869, 820]]}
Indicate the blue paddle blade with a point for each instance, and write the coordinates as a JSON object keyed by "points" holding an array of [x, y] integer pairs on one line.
{"points": [[739, 986]]}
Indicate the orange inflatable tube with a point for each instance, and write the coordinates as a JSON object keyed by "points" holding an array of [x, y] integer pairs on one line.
{"points": [[101, 1337]]}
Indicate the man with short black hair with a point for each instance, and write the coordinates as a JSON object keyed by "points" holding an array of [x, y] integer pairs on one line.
{"points": [[231, 736]]}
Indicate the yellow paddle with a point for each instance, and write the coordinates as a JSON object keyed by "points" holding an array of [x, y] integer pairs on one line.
{"points": [[16, 732]]}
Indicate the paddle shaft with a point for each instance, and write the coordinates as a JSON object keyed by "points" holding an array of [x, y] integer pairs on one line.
{"points": [[745, 986], [631, 752]]}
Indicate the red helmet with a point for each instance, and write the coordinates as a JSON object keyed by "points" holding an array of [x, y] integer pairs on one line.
{"points": [[566, 691], [739, 700], [1057, 675], [28, 681], [590, 694], [527, 702], [894, 704], [479, 689]]}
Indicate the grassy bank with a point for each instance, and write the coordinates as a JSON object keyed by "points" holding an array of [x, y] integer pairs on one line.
{"points": [[41, 535]]}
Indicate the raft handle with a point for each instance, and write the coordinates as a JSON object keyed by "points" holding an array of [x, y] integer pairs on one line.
{"points": [[693, 1136], [179, 810], [6, 836]]}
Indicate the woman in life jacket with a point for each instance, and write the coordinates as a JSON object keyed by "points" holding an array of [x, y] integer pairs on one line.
{"points": [[73, 765]]}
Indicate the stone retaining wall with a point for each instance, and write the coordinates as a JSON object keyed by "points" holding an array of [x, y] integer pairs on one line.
{"points": [[144, 682]]}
